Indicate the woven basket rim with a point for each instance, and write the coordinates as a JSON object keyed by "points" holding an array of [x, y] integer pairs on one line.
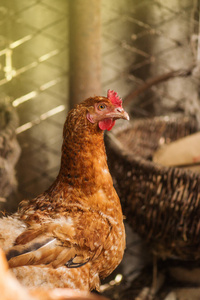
{"points": [[141, 162]]}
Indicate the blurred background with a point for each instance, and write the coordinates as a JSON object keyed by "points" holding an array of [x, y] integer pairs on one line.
{"points": [[136, 40], [54, 54]]}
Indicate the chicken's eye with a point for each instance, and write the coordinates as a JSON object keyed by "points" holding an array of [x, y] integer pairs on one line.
{"points": [[101, 106]]}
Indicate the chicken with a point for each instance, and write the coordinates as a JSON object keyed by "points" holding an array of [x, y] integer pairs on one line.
{"points": [[72, 234]]}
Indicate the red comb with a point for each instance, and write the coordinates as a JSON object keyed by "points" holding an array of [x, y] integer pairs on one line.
{"points": [[114, 98]]}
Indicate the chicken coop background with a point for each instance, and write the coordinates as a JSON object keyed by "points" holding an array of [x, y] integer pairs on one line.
{"points": [[140, 40], [150, 54]]}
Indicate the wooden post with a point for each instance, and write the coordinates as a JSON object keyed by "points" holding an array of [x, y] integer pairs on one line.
{"points": [[85, 49]]}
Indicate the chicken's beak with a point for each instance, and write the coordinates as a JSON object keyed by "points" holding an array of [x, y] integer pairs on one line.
{"points": [[121, 113]]}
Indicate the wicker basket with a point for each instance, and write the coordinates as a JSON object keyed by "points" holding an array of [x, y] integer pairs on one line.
{"points": [[162, 204], [9, 151]]}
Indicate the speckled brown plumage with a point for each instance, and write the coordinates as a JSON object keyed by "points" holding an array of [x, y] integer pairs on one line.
{"points": [[73, 233]]}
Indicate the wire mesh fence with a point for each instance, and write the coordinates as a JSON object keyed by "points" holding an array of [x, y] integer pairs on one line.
{"points": [[152, 39], [34, 68]]}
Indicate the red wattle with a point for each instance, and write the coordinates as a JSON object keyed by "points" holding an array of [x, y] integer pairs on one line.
{"points": [[106, 124]]}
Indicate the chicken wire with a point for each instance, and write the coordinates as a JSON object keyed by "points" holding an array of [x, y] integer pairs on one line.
{"points": [[151, 39], [141, 40], [34, 74]]}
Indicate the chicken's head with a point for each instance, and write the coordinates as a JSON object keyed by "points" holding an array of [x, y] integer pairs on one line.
{"points": [[104, 111]]}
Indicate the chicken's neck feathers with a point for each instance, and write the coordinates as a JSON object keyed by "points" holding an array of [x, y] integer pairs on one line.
{"points": [[83, 160], [84, 181]]}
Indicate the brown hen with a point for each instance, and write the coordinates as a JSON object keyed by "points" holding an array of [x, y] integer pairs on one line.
{"points": [[72, 234]]}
